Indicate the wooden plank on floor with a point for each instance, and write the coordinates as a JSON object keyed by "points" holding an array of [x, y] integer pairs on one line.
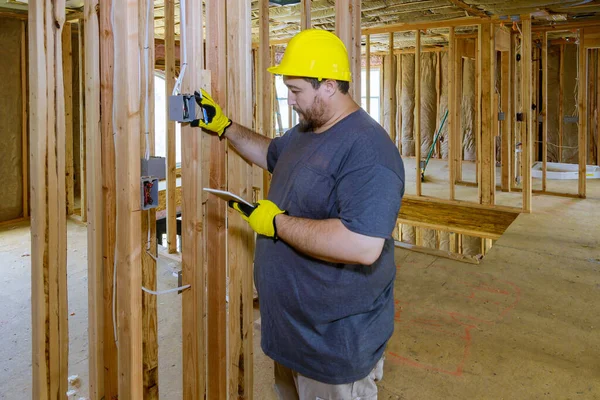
{"points": [[582, 112], [127, 162], [108, 381], [240, 236], [170, 77], [193, 242], [95, 217], [467, 220]]}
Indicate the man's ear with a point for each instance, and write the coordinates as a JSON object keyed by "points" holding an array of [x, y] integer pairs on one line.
{"points": [[330, 86]]}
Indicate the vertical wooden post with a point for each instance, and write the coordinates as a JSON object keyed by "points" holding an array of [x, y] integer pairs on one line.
{"points": [[458, 82], [451, 111], [582, 109], [561, 112], [193, 241], [417, 112], [368, 74], [127, 114], [598, 107], [67, 61], [264, 81], [107, 384], [171, 139], [399, 103], [148, 217], [305, 17], [82, 127], [48, 203], [438, 92], [241, 237], [24, 122], [347, 28], [526, 140], [91, 83], [505, 96], [487, 116], [544, 108], [392, 89]]}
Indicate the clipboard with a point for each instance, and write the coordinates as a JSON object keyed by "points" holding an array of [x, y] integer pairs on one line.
{"points": [[231, 198]]}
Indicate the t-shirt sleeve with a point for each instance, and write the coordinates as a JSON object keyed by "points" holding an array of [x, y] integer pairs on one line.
{"points": [[276, 148], [369, 200]]}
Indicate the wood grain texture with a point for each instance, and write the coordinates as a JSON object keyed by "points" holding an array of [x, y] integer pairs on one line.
{"points": [[170, 77], [583, 118]]}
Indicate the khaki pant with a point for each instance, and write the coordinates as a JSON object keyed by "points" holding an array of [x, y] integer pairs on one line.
{"points": [[290, 385]]}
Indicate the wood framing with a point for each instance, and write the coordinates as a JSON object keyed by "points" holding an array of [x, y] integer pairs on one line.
{"points": [[82, 127], [106, 383], [526, 140], [561, 112], [417, 112], [451, 111], [583, 117], [501, 38], [405, 26], [305, 15], [391, 89], [458, 82], [487, 116], [506, 125], [368, 73], [347, 28], [469, 9], [67, 61], [25, 121], [591, 37], [264, 84], [240, 236], [48, 202], [91, 84], [170, 129], [544, 108], [193, 238], [127, 113]]}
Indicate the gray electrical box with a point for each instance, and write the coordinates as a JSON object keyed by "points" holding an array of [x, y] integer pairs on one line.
{"points": [[182, 108], [155, 167], [572, 120], [501, 116]]}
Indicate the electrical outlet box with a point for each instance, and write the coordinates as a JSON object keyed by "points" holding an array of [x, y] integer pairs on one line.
{"points": [[501, 116], [155, 167], [182, 108], [572, 120], [149, 192], [519, 117]]}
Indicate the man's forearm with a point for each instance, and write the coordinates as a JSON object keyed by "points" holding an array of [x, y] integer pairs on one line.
{"points": [[328, 240], [249, 144]]}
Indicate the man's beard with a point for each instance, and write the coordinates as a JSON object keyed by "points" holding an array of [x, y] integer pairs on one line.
{"points": [[313, 118]]}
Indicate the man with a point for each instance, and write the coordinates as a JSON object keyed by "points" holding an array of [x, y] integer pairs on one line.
{"points": [[324, 268]]}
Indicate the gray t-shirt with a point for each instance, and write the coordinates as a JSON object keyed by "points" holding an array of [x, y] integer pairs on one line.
{"points": [[327, 321]]}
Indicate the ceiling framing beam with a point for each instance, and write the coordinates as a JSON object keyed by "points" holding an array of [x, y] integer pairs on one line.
{"points": [[469, 9]]}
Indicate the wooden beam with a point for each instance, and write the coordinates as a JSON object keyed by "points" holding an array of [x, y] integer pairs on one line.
{"points": [[505, 96], [170, 128], [91, 83], [566, 26], [193, 238], [409, 26], [368, 74], [392, 89], [544, 108], [591, 38], [13, 15], [417, 112], [82, 127], [106, 382], [438, 92], [451, 111], [502, 38], [67, 61], [264, 82], [127, 112], [347, 28], [305, 16], [598, 107], [582, 112], [24, 122], [526, 140], [148, 217], [472, 11], [561, 83], [487, 116], [48, 203], [458, 82], [240, 236], [398, 110]]}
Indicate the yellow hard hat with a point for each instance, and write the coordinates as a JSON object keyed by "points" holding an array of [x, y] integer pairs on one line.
{"points": [[315, 53]]}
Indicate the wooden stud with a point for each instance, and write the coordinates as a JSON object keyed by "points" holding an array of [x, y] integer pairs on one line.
{"points": [[598, 107], [582, 109], [417, 112], [67, 61], [544, 108], [48, 202], [305, 16], [526, 140], [241, 237], [368, 74], [590, 105], [91, 83], [517, 128], [561, 111], [487, 116], [451, 111], [170, 129], [82, 127], [148, 217], [506, 125], [106, 383], [469, 9], [392, 89], [458, 82], [264, 82], [24, 122], [438, 91], [399, 104], [127, 107], [347, 28]]}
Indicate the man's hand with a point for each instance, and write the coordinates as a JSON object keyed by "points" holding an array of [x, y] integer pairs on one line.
{"points": [[213, 118], [262, 218]]}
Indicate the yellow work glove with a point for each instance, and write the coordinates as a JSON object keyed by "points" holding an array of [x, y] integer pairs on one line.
{"points": [[212, 118], [261, 218]]}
